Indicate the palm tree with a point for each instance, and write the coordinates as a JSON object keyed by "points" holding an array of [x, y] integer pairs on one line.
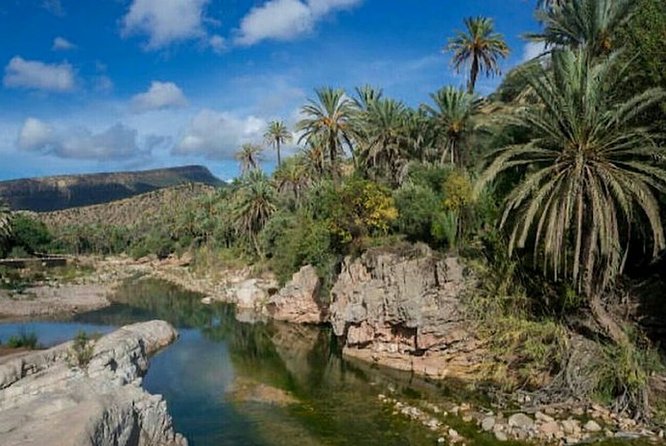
{"points": [[453, 113], [589, 175], [5, 224], [291, 178], [254, 203], [583, 23], [480, 47], [276, 135], [249, 157], [314, 159], [329, 117], [381, 144]]}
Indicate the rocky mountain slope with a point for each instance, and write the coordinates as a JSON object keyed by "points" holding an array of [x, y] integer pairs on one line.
{"points": [[68, 191]]}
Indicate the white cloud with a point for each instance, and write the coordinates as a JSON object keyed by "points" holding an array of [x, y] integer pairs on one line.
{"points": [[218, 135], [54, 7], [118, 142], [217, 44], [32, 74], [532, 50], [62, 44], [286, 19], [165, 21], [159, 96]]}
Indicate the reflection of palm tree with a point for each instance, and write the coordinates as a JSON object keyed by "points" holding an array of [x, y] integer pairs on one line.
{"points": [[452, 116], [480, 47], [276, 135], [249, 157], [329, 118], [589, 174]]}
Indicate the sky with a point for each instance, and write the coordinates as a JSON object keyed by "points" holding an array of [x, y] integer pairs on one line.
{"points": [[107, 85]]}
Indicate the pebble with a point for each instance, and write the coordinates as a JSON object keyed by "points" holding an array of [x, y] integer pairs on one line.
{"points": [[592, 426], [500, 436], [488, 423], [521, 421]]}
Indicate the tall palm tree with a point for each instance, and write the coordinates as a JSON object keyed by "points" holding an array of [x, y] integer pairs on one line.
{"points": [[480, 47], [314, 159], [366, 95], [329, 117], [583, 23], [382, 142], [589, 175], [249, 157], [277, 134], [254, 203], [453, 113]]}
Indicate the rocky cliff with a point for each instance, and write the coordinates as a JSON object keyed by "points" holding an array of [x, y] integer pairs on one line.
{"points": [[401, 307], [45, 400]]}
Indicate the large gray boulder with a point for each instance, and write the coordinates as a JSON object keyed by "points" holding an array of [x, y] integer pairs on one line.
{"points": [[45, 400], [298, 301], [403, 300]]}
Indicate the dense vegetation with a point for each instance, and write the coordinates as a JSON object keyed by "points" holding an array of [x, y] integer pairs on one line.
{"points": [[552, 188]]}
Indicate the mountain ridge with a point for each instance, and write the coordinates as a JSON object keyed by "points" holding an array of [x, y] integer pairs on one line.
{"points": [[52, 193]]}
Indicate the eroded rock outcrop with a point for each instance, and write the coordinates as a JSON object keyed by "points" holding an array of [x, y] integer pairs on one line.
{"points": [[298, 301], [44, 400], [401, 307]]}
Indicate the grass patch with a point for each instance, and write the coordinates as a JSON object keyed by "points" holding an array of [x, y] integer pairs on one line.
{"points": [[27, 340]]}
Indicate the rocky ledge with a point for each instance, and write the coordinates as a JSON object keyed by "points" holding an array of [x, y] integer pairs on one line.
{"points": [[45, 399], [401, 308]]}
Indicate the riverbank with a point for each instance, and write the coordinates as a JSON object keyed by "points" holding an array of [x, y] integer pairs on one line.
{"points": [[54, 397]]}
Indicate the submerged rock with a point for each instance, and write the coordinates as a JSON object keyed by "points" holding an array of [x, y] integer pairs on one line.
{"points": [[298, 301], [44, 400]]}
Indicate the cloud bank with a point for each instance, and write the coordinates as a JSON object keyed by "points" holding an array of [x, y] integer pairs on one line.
{"points": [[218, 135], [118, 142]]}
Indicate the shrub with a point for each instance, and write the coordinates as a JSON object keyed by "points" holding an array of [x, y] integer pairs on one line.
{"points": [[417, 206], [30, 235], [23, 340], [82, 350]]}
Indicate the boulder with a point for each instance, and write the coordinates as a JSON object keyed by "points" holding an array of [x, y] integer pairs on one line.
{"points": [[521, 421], [401, 300], [44, 399], [298, 301]]}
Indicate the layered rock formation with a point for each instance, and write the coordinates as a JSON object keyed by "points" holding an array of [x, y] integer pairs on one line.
{"points": [[401, 307], [45, 400], [298, 301]]}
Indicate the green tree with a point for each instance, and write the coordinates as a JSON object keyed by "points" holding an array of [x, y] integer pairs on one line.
{"points": [[329, 117], [589, 24], [589, 175], [5, 226], [254, 203], [381, 142], [249, 157], [480, 47], [452, 116], [277, 134], [291, 178], [30, 234]]}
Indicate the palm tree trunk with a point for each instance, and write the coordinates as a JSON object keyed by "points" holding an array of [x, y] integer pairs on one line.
{"points": [[277, 144], [608, 323], [474, 72]]}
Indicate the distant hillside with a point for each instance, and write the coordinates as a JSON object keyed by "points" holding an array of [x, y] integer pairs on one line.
{"points": [[138, 211], [68, 191]]}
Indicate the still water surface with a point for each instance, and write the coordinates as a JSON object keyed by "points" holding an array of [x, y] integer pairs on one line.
{"points": [[233, 383]]}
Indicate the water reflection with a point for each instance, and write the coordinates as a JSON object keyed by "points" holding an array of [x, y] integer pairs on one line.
{"points": [[233, 383]]}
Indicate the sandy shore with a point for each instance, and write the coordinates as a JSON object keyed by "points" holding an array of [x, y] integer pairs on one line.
{"points": [[45, 300]]}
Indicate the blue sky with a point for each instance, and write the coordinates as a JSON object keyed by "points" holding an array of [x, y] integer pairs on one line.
{"points": [[105, 85]]}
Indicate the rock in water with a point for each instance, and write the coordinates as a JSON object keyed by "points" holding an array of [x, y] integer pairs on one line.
{"points": [[399, 301], [46, 401], [298, 301]]}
